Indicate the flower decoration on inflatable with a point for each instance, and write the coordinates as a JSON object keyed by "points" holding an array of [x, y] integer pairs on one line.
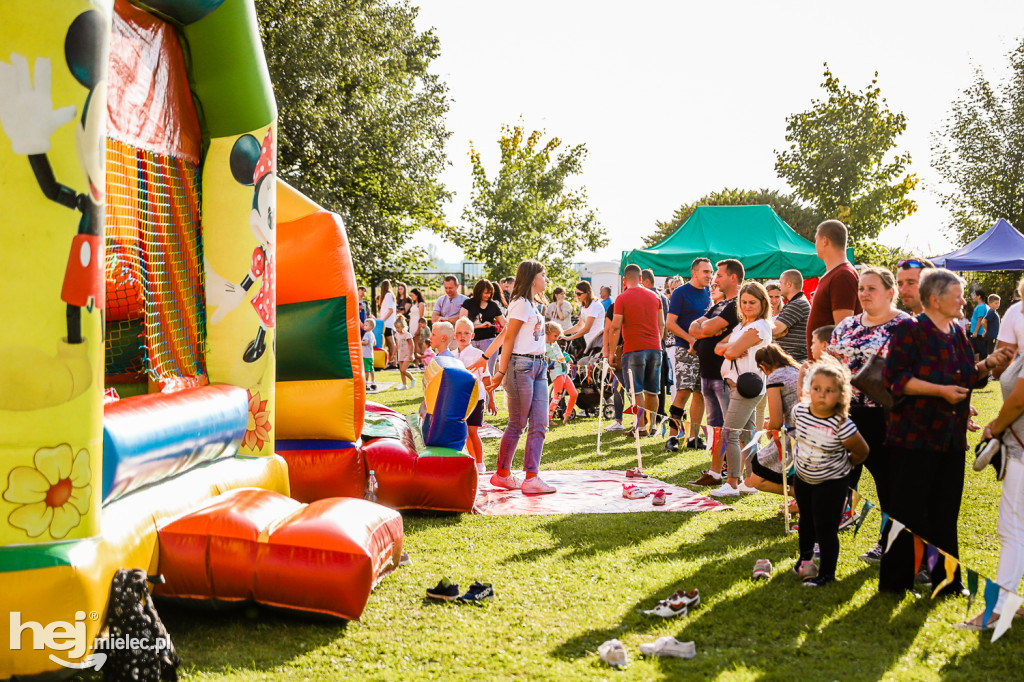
{"points": [[53, 495], [258, 429]]}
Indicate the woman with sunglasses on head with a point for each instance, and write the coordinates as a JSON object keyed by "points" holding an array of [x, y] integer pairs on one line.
{"points": [[592, 313]]}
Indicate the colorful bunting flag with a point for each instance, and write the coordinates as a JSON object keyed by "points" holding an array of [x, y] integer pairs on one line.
{"points": [[950, 564], [918, 553], [933, 558], [991, 597], [972, 588], [896, 529], [1010, 606], [863, 515]]}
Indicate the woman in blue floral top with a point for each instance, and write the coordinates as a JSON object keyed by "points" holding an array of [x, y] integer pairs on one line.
{"points": [[930, 371], [854, 341]]}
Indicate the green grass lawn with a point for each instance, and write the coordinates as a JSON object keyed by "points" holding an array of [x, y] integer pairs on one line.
{"points": [[565, 584]]}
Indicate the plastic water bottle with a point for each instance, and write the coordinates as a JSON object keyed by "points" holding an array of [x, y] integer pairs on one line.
{"points": [[371, 487]]}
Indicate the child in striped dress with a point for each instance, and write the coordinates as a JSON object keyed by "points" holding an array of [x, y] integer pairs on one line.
{"points": [[828, 446]]}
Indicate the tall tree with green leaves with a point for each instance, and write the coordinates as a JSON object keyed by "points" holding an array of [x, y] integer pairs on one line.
{"points": [[801, 218], [979, 153], [839, 158], [361, 126], [528, 208]]}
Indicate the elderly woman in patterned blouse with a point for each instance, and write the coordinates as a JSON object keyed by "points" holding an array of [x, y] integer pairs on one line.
{"points": [[930, 371]]}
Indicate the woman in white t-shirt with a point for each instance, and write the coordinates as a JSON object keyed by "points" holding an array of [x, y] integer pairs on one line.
{"points": [[523, 370], [753, 333], [591, 324], [388, 311]]}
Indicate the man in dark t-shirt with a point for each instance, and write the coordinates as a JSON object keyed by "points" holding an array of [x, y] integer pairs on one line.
{"points": [[689, 301], [716, 325], [835, 299]]}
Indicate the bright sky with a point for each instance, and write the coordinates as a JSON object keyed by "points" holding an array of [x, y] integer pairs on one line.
{"points": [[677, 99]]}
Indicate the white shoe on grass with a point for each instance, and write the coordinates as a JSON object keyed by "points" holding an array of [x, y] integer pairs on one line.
{"points": [[614, 426], [669, 646], [746, 489], [725, 491]]}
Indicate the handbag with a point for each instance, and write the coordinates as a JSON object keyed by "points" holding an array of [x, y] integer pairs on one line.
{"points": [[869, 381], [748, 384]]}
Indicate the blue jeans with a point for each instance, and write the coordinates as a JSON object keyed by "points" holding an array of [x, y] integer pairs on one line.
{"points": [[526, 388], [716, 400], [645, 366]]}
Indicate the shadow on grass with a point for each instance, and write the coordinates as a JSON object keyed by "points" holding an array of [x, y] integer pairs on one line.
{"points": [[774, 630], [249, 637], [583, 535]]}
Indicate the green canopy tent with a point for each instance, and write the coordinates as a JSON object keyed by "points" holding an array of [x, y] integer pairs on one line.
{"points": [[754, 235]]}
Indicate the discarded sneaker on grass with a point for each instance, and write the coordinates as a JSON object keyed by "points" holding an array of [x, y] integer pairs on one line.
{"points": [[635, 473], [445, 590], [762, 569], [669, 646], [678, 604], [478, 593], [659, 497], [632, 492], [613, 652]]}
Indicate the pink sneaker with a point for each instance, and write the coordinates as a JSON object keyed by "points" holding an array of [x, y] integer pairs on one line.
{"points": [[535, 486], [632, 492], [510, 482]]}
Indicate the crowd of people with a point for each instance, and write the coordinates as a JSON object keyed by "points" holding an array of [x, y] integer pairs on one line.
{"points": [[842, 379]]}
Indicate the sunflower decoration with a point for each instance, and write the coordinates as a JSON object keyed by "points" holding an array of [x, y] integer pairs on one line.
{"points": [[257, 431], [51, 496]]}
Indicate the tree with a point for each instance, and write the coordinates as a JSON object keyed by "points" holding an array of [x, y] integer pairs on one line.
{"points": [[361, 121], [801, 218], [839, 159], [979, 153], [528, 209]]}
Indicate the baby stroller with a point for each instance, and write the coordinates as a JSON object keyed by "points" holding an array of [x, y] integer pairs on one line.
{"points": [[586, 376]]}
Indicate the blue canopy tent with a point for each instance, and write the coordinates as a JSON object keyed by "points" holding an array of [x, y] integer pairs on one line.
{"points": [[1001, 247]]}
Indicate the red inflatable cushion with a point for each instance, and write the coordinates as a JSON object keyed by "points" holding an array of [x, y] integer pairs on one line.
{"points": [[408, 481], [250, 543], [314, 474]]}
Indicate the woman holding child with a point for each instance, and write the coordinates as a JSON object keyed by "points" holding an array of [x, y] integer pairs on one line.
{"points": [[930, 371]]}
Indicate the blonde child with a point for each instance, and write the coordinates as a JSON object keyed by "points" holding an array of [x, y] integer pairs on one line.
{"points": [[560, 379], [819, 346], [406, 352], [828, 446], [368, 341], [469, 354], [441, 336]]}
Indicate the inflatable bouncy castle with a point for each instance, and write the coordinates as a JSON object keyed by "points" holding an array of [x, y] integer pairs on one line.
{"points": [[139, 350]]}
